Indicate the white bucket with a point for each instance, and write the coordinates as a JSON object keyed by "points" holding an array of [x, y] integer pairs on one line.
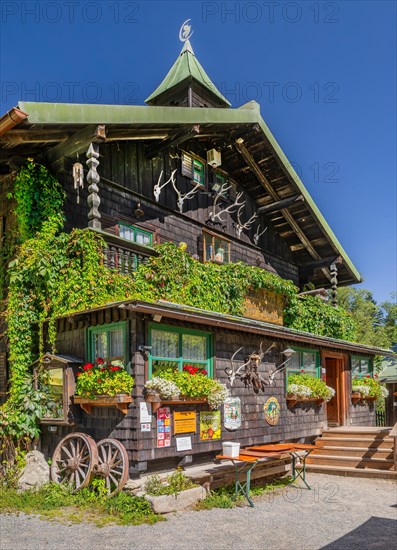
{"points": [[231, 449]]}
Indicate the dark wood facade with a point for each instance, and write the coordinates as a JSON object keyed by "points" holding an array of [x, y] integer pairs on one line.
{"points": [[297, 245]]}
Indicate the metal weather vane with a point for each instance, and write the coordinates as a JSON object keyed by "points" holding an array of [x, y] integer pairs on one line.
{"points": [[185, 31]]}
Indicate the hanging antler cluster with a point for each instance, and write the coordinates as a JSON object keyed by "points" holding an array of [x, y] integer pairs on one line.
{"points": [[240, 226], [229, 210], [249, 371]]}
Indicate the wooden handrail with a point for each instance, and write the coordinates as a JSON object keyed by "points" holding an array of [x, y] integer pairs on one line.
{"points": [[393, 433]]}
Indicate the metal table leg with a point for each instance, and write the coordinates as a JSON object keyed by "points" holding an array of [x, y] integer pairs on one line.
{"points": [[299, 472], [243, 488]]}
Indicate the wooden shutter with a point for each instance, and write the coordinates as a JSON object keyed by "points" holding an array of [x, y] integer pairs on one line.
{"points": [[187, 166]]}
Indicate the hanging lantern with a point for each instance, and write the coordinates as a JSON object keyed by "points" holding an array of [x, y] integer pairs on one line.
{"points": [[78, 178]]}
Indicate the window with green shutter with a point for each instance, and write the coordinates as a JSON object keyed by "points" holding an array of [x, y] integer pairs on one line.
{"points": [[361, 366], [177, 347], [108, 342]]}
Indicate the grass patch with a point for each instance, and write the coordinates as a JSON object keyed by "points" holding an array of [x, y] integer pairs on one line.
{"points": [[89, 505], [224, 497]]}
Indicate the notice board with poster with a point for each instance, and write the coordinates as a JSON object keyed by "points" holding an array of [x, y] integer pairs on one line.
{"points": [[164, 427], [185, 422]]}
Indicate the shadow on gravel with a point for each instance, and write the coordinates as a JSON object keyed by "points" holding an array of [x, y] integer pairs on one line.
{"points": [[374, 534]]}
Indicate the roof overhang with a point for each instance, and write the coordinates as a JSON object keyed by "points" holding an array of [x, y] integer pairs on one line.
{"points": [[310, 246], [187, 314]]}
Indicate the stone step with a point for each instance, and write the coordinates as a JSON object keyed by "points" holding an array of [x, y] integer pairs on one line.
{"points": [[363, 452], [353, 462], [351, 472], [386, 443]]}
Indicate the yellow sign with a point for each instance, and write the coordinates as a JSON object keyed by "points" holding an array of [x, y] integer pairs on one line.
{"points": [[184, 422], [263, 305]]}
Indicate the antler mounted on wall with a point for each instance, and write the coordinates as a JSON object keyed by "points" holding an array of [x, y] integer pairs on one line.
{"points": [[240, 226], [157, 188], [182, 198], [248, 372], [258, 235], [229, 210]]}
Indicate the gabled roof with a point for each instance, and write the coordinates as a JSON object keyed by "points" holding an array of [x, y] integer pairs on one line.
{"points": [[301, 225], [185, 69]]}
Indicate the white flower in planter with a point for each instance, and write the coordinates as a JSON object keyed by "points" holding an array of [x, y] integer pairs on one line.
{"points": [[165, 388]]}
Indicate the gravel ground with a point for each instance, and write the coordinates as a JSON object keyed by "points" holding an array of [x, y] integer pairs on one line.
{"points": [[338, 514]]}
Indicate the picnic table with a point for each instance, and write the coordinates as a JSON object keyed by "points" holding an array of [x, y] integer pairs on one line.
{"points": [[248, 458]]}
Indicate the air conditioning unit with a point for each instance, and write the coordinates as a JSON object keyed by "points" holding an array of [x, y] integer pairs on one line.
{"points": [[214, 158]]}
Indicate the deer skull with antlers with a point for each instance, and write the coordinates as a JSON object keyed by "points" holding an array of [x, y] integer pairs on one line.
{"points": [[157, 188], [258, 235], [240, 226], [229, 210], [182, 198]]}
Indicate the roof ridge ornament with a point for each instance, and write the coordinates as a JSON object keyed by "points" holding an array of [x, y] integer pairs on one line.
{"points": [[185, 32]]}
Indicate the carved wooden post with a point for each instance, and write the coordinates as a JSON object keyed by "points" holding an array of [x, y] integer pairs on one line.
{"points": [[93, 179], [334, 283]]}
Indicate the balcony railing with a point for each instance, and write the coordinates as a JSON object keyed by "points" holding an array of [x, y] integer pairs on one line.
{"points": [[124, 256]]}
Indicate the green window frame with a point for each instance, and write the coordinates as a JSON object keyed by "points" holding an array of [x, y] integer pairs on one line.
{"points": [[198, 172], [108, 338], [361, 366], [300, 361], [181, 355], [135, 234]]}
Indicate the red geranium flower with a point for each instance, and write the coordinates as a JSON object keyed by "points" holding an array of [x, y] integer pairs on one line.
{"points": [[88, 366], [368, 376], [302, 370], [99, 381], [102, 369], [78, 374], [115, 368], [203, 371], [100, 361]]}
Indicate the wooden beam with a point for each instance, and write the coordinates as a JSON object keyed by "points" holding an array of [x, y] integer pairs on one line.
{"points": [[173, 140], [242, 149], [19, 137], [279, 205], [77, 143]]}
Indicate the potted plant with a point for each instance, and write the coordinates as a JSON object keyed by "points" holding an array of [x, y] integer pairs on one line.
{"points": [[304, 387], [103, 383]]}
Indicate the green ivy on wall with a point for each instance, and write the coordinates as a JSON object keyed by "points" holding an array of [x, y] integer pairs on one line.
{"points": [[55, 273]]}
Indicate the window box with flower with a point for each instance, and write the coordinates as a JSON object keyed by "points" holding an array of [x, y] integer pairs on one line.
{"points": [[306, 388], [191, 386], [367, 389], [103, 384]]}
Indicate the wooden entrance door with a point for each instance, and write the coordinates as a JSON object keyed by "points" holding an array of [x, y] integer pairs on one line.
{"points": [[335, 378]]}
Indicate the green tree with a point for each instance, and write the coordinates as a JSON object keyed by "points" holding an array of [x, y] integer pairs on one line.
{"points": [[368, 315], [389, 317]]}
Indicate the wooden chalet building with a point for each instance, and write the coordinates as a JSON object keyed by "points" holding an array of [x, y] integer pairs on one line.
{"points": [[190, 130]]}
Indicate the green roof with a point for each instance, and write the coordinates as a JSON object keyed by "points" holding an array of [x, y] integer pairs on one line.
{"points": [[67, 113], [186, 68]]}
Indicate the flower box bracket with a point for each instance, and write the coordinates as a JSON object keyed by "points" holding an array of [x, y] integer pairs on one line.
{"points": [[158, 402], [292, 400], [121, 402], [356, 397]]}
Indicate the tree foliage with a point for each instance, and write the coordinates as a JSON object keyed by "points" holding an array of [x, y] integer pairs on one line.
{"points": [[376, 325]]}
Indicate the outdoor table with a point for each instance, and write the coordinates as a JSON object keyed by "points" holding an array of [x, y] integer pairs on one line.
{"points": [[242, 464], [298, 453]]}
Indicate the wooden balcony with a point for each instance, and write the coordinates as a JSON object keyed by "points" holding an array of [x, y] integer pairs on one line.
{"points": [[122, 255]]}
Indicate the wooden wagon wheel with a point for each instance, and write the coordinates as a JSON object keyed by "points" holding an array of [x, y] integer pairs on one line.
{"points": [[112, 464], [73, 460]]}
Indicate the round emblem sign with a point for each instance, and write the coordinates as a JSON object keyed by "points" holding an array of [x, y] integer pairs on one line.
{"points": [[272, 411]]}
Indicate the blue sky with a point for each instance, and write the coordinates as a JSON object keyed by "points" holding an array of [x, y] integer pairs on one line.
{"points": [[324, 74]]}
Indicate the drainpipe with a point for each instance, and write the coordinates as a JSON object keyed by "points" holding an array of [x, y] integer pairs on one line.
{"points": [[12, 118]]}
